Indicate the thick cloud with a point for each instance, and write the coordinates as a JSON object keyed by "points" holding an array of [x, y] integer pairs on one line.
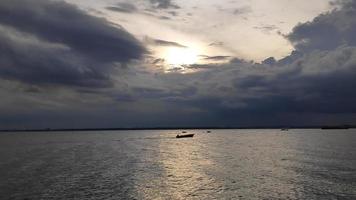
{"points": [[321, 83], [89, 35], [269, 61], [27, 59], [55, 42], [327, 31], [317, 83], [312, 87]]}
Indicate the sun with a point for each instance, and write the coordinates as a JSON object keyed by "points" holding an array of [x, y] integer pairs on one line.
{"points": [[181, 56]]}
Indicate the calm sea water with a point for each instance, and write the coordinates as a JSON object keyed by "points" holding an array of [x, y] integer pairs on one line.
{"points": [[224, 164]]}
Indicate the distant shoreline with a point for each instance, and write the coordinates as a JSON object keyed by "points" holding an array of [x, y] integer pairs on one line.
{"points": [[175, 128]]}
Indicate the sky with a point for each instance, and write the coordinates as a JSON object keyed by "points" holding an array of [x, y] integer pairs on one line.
{"points": [[177, 63]]}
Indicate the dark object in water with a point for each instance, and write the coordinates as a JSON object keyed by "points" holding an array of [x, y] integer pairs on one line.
{"points": [[184, 136], [208, 131], [335, 127], [284, 129]]}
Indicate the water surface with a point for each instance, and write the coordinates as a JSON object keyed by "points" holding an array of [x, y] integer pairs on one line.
{"points": [[224, 164]]}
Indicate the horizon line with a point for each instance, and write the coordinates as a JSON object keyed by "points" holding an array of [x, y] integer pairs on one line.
{"points": [[175, 128]]}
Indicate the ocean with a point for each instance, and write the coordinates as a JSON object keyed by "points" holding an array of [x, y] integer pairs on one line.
{"points": [[153, 164]]}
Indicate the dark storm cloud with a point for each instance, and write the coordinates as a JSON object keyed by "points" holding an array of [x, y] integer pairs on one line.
{"points": [[24, 59], [124, 7], [327, 31], [90, 35], [313, 85], [298, 91], [295, 55], [321, 83], [56, 43], [269, 61]]}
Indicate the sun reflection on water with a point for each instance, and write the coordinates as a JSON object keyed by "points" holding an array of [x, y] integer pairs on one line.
{"points": [[184, 163]]}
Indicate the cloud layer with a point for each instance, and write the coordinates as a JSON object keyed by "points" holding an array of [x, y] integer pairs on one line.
{"points": [[67, 69], [56, 43], [327, 31]]}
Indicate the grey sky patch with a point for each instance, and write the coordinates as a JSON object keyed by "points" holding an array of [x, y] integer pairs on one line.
{"points": [[158, 61], [124, 98], [164, 4], [242, 10], [337, 3], [164, 18], [173, 13], [200, 66], [168, 43], [176, 69], [237, 61], [216, 44], [215, 58], [151, 13], [124, 7], [159, 42], [267, 28]]}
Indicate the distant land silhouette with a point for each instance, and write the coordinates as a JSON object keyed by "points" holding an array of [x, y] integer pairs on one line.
{"points": [[179, 128]]}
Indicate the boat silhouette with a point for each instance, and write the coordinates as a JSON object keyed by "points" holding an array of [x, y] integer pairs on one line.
{"points": [[184, 135]]}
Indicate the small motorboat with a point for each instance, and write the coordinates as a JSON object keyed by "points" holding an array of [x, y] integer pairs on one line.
{"points": [[184, 135]]}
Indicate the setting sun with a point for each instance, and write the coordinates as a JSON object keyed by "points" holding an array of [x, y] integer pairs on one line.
{"points": [[181, 56]]}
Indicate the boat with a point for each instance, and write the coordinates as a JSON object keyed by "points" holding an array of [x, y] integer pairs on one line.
{"points": [[208, 131], [184, 135], [284, 129]]}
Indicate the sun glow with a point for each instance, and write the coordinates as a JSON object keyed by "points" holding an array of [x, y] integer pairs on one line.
{"points": [[181, 56]]}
